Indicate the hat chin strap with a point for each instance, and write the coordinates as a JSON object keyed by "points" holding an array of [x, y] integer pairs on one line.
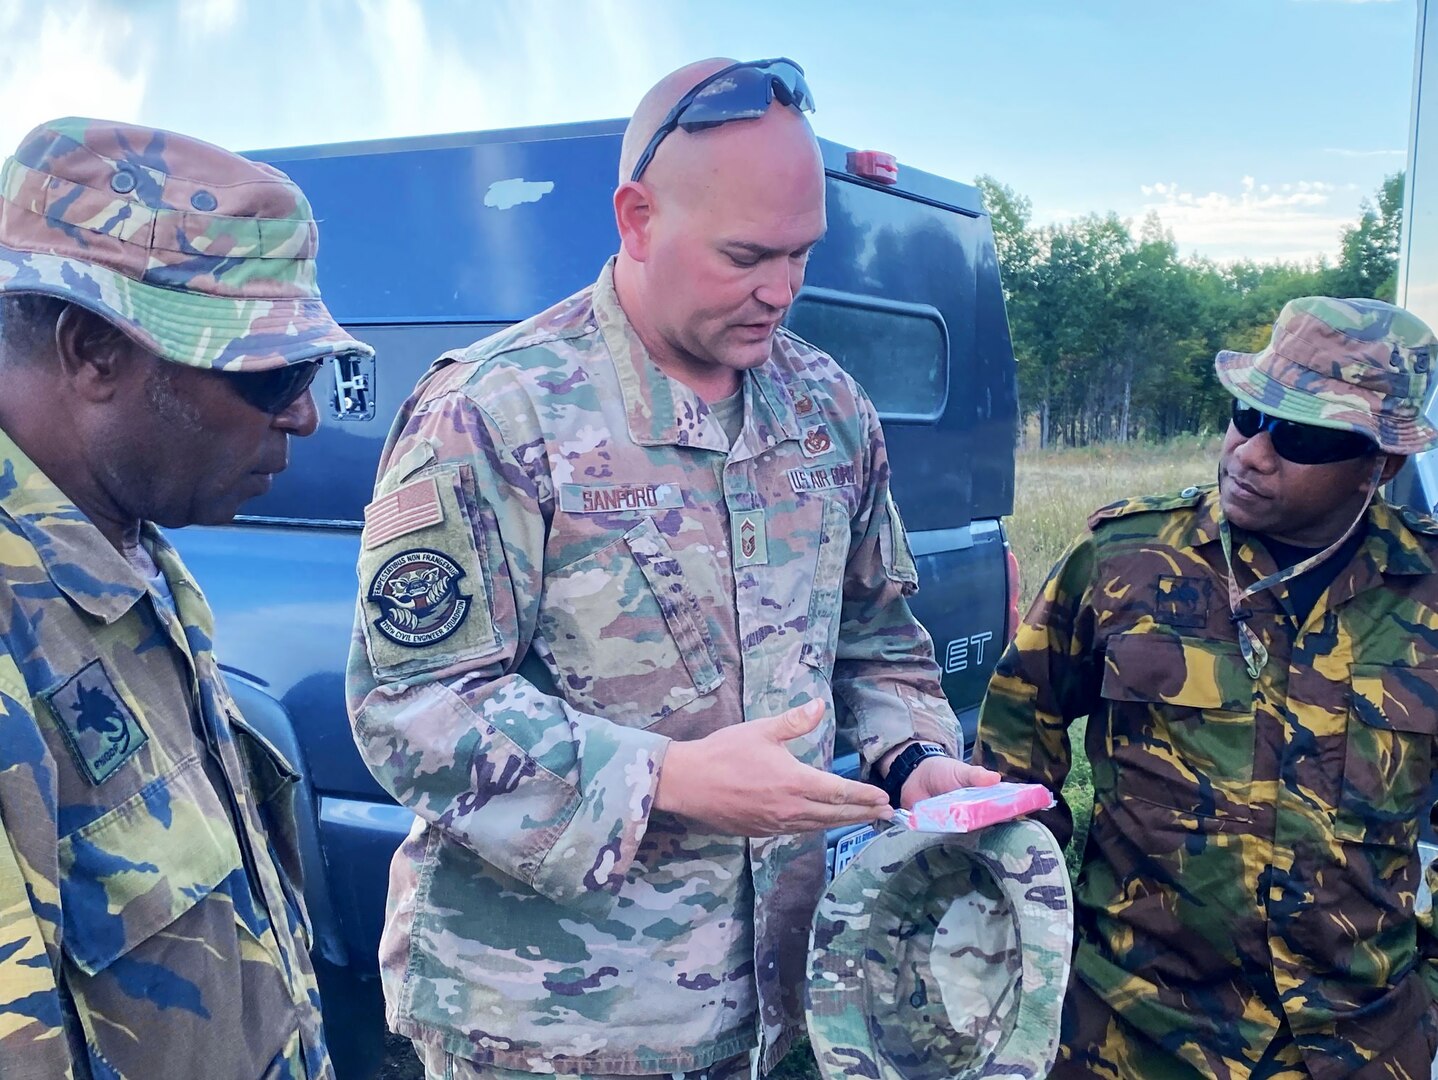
{"points": [[1255, 653]]}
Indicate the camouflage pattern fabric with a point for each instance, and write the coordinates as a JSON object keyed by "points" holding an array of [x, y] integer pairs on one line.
{"points": [[1360, 365], [1250, 870], [938, 956], [147, 929], [1101, 1045], [201, 256], [442, 1065], [555, 583]]}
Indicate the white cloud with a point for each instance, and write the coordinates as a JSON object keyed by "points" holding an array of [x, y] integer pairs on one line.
{"points": [[431, 79], [1350, 153], [44, 73], [1267, 221], [208, 18], [343, 69]]}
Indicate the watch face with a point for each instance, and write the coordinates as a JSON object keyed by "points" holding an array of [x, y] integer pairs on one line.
{"points": [[904, 765]]}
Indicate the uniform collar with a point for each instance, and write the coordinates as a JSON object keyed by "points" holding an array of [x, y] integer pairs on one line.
{"points": [[1206, 519], [1390, 543], [77, 558], [1389, 546], [663, 411]]}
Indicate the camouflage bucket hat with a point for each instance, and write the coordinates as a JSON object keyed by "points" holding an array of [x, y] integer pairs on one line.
{"points": [[198, 254], [1358, 365], [942, 955]]}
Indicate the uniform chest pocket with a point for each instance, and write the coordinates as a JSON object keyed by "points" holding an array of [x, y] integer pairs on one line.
{"points": [[1180, 725], [143, 926], [628, 632], [132, 872], [826, 592], [1388, 756]]}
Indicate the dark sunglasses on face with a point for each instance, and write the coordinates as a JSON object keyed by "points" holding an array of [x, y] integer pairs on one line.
{"points": [[739, 92], [1302, 444], [276, 390]]}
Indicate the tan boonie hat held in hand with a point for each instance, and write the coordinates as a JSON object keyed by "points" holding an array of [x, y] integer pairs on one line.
{"points": [[1358, 365], [201, 256], [942, 956]]}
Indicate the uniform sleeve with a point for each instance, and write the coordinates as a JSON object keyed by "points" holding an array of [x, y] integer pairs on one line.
{"points": [[33, 1045], [1427, 931], [1045, 680], [447, 704], [885, 674]]}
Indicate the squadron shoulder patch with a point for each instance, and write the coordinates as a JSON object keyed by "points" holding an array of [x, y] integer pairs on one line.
{"points": [[102, 731], [418, 596]]}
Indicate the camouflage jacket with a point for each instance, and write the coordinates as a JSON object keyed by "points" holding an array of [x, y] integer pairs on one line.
{"points": [[1251, 863], [565, 568], [142, 934]]}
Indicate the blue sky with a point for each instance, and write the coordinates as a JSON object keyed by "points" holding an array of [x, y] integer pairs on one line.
{"points": [[1253, 127]]}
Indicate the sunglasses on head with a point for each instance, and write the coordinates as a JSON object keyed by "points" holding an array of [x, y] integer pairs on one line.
{"points": [[739, 92], [1302, 444], [276, 390]]}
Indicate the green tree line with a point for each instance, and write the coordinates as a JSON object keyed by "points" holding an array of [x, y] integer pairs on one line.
{"points": [[1115, 333]]}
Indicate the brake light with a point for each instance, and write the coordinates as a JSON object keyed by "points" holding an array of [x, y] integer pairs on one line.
{"points": [[874, 165], [1013, 624]]}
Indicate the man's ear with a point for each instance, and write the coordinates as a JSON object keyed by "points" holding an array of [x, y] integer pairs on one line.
{"points": [[634, 214], [1392, 465], [95, 355]]}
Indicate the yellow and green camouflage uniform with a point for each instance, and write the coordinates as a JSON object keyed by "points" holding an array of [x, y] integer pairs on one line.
{"points": [[147, 928], [1249, 879]]}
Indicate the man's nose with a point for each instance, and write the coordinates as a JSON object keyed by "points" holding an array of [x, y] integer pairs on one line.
{"points": [[780, 284], [1257, 453], [300, 417]]}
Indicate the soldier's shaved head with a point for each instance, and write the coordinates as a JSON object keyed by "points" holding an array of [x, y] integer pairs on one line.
{"points": [[716, 233], [654, 106]]}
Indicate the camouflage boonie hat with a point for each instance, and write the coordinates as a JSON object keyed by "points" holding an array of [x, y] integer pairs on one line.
{"points": [[942, 955], [1359, 365], [201, 256]]}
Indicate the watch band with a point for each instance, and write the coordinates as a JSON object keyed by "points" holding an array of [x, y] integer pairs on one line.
{"points": [[903, 766]]}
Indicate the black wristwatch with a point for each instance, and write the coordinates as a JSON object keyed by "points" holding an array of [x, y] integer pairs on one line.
{"points": [[903, 766]]}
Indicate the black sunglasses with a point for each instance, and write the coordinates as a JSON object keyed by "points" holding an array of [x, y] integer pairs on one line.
{"points": [[276, 390], [741, 91], [1302, 444]]}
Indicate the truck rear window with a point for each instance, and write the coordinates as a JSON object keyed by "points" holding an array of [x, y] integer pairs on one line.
{"points": [[898, 352]]}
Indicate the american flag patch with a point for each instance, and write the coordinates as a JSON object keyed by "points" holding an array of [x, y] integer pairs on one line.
{"points": [[404, 510]]}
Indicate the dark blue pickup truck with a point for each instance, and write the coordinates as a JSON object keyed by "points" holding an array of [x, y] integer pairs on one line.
{"points": [[429, 244]]}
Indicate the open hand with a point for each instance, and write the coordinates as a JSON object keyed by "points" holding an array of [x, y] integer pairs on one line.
{"points": [[743, 781]]}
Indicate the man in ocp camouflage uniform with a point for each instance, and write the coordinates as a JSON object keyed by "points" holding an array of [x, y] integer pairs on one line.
{"points": [[159, 328], [629, 565], [1258, 663]]}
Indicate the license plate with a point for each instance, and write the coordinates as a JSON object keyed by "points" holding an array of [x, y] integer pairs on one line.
{"points": [[848, 846]]}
